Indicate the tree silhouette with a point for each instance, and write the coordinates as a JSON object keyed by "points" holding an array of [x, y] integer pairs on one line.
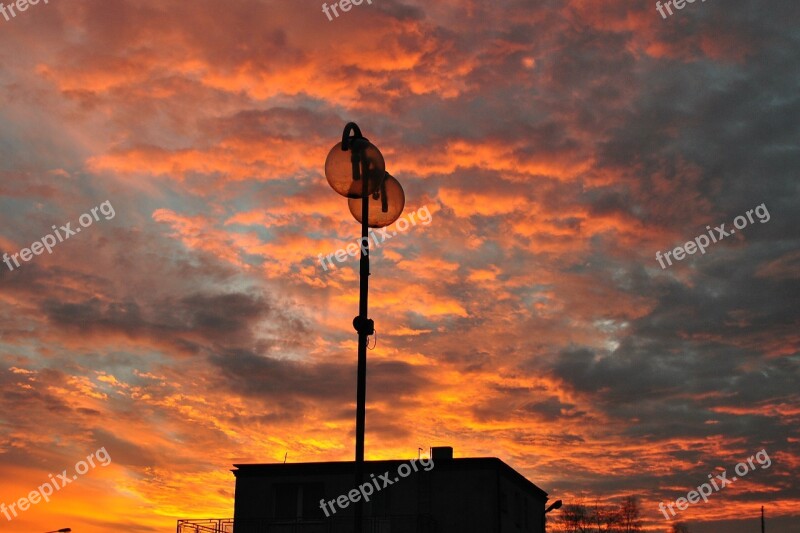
{"points": [[623, 518], [574, 518], [629, 513], [606, 518], [680, 527]]}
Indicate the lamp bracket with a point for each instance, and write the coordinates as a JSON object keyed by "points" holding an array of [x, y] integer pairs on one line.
{"points": [[364, 325], [350, 126]]}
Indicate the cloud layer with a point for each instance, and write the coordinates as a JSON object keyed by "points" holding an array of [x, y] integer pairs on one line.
{"points": [[558, 146]]}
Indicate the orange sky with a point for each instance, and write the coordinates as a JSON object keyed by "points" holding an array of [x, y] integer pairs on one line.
{"points": [[557, 145]]}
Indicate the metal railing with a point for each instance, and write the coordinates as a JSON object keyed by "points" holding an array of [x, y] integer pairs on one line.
{"points": [[206, 525]]}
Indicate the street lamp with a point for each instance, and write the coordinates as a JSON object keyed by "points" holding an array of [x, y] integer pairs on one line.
{"points": [[555, 505], [356, 170]]}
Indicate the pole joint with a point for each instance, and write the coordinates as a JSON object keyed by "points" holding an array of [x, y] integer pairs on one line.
{"points": [[365, 326]]}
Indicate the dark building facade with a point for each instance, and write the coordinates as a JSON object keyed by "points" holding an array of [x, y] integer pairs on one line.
{"points": [[437, 495]]}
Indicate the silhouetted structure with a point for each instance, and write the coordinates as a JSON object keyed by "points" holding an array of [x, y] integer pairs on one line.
{"points": [[465, 495], [355, 169]]}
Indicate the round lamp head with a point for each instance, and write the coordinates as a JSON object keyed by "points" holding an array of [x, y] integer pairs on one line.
{"points": [[339, 168], [385, 205]]}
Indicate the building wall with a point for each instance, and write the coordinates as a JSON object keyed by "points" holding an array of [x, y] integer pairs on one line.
{"points": [[457, 500], [520, 511], [256, 496], [464, 500]]}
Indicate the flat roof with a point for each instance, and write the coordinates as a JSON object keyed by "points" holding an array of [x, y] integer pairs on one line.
{"points": [[348, 467]]}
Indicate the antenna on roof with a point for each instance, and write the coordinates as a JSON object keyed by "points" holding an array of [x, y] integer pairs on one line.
{"points": [[419, 453], [284, 457]]}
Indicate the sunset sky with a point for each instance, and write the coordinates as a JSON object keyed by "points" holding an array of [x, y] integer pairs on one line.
{"points": [[557, 145]]}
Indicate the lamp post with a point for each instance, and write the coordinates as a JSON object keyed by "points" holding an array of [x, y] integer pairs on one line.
{"points": [[355, 169], [555, 505]]}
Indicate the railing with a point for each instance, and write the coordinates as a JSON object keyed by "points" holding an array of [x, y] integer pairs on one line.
{"points": [[206, 525], [389, 524]]}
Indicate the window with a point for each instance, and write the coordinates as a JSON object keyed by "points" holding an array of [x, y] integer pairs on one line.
{"points": [[286, 500], [312, 494], [298, 500]]}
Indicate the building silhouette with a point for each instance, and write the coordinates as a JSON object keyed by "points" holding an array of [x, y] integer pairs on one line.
{"points": [[437, 495]]}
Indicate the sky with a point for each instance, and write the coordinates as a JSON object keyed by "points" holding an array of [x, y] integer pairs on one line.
{"points": [[552, 151]]}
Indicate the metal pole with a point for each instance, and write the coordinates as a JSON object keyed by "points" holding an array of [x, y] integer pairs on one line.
{"points": [[363, 331], [762, 519]]}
